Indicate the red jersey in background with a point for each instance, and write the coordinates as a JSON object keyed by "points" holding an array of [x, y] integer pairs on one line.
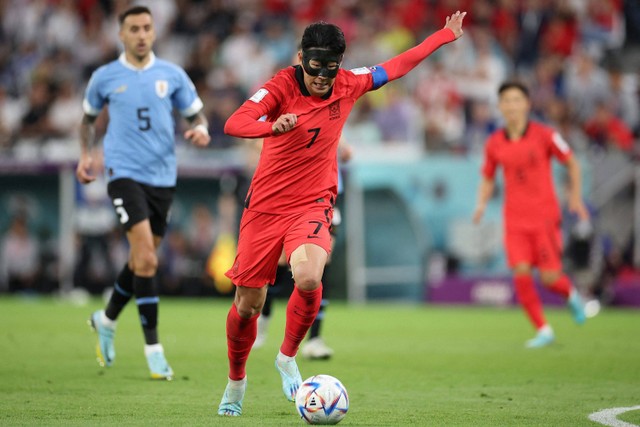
{"points": [[530, 199]]}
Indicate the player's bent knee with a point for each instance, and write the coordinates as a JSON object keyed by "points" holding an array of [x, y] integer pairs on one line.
{"points": [[548, 278], [307, 282], [249, 301], [145, 263], [522, 270]]}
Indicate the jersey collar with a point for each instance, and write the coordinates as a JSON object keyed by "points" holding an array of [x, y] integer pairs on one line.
{"points": [[506, 134], [303, 88], [123, 60]]}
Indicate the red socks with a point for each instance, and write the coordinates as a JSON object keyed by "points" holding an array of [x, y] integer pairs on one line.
{"points": [[562, 286], [302, 309], [241, 333], [529, 299]]}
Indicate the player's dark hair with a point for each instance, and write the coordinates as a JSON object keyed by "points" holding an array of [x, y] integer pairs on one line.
{"points": [[136, 10], [514, 84], [324, 36]]}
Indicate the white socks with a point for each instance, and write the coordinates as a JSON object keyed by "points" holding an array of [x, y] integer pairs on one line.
{"points": [[153, 348], [111, 324], [283, 358]]}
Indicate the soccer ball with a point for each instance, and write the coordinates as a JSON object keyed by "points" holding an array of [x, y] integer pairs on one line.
{"points": [[322, 399]]}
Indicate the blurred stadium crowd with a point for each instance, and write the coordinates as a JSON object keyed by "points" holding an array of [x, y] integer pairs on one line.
{"points": [[580, 58]]}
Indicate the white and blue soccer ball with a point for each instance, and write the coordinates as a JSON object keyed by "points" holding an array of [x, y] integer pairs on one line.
{"points": [[322, 399]]}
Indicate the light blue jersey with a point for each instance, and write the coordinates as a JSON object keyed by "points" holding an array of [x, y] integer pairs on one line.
{"points": [[140, 139]]}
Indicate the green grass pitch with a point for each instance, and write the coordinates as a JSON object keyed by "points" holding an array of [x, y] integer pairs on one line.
{"points": [[402, 365]]}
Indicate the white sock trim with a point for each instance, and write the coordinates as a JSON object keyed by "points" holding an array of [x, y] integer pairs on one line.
{"points": [[153, 348], [106, 321], [284, 358], [546, 329], [238, 383]]}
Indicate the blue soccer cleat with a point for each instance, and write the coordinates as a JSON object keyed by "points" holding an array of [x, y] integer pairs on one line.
{"points": [[577, 307], [543, 338], [158, 366], [105, 351], [231, 403], [291, 379]]}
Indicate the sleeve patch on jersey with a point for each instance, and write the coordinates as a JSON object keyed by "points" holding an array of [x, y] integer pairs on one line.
{"points": [[561, 143], [361, 70], [259, 95], [379, 74]]}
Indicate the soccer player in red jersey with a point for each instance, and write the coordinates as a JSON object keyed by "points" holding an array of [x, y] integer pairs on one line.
{"points": [[531, 211], [290, 201]]}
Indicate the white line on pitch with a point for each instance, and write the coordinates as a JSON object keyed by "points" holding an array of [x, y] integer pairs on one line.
{"points": [[608, 417]]}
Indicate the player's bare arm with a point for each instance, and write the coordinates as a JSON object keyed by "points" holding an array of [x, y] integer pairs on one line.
{"points": [[87, 137], [576, 205], [199, 132], [484, 194], [454, 23], [284, 124]]}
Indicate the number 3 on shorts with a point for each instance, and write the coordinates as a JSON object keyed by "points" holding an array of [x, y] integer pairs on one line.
{"points": [[122, 213]]}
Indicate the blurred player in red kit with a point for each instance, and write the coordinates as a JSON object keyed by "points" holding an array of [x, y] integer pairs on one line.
{"points": [[531, 211], [290, 201]]}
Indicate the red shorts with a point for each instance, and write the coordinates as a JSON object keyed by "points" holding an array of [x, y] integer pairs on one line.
{"points": [[539, 247], [263, 236]]}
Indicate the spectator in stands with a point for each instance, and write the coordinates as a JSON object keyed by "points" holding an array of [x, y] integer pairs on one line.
{"points": [[19, 257], [606, 130]]}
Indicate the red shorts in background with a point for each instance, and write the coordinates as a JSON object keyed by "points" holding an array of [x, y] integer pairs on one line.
{"points": [[263, 235], [539, 247]]}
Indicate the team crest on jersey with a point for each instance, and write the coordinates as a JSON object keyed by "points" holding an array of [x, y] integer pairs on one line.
{"points": [[162, 88], [334, 110]]}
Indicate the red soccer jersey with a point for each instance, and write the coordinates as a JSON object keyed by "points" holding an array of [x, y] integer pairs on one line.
{"points": [[530, 199], [300, 166]]}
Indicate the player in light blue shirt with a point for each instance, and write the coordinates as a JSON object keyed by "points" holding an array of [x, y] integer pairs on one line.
{"points": [[140, 92]]}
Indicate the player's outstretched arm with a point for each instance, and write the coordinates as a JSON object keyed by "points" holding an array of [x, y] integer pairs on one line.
{"points": [[400, 65]]}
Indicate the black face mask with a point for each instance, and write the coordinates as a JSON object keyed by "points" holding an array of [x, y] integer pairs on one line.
{"points": [[324, 57]]}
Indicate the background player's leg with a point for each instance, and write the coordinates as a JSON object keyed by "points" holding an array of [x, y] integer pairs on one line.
{"points": [[104, 321], [558, 282], [530, 301], [145, 264], [549, 249], [122, 293]]}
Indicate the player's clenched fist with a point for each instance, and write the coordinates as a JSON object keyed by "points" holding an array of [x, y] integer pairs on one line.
{"points": [[83, 170], [285, 123]]}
